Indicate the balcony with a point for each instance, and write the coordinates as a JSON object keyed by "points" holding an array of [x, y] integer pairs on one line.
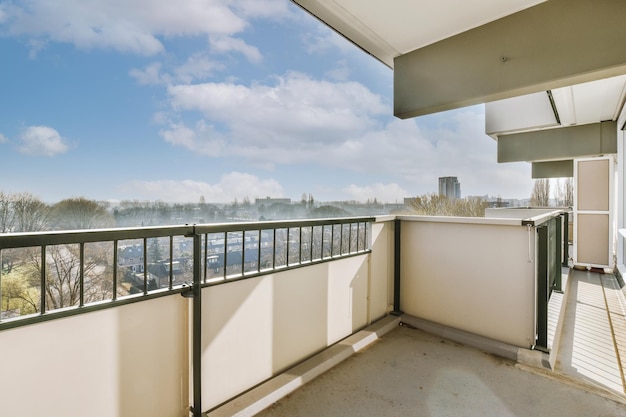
{"points": [[246, 313]]}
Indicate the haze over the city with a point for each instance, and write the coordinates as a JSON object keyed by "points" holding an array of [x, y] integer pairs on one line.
{"points": [[175, 101]]}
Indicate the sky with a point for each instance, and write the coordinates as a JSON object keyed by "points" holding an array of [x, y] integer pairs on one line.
{"points": [[174, 101]]}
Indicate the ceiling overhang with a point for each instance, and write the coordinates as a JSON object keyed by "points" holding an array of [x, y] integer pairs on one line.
{"points": [[386, 30], [453, 53], [551, 45]]}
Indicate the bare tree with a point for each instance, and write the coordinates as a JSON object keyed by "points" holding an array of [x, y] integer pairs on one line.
{"points": [[80, 213], [565, 192], [63, 275], [540, 196], [468, 207], [6, 213], [430, 205], [438, 205], [22, 212]]}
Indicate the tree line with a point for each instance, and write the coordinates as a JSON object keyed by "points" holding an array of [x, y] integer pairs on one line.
{"points": [[562, 194], [438, 205], [23, 212]]}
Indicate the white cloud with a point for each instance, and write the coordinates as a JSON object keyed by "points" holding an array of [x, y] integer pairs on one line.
{"points": [[42, 141], [151, 74], [235, 185], [340, 73], [297, 114], [263, 8], [384, 193], [132, 25], [227, 44], [197, 67], [3, 138], [324, 39], [203, 139], [341, 125]]}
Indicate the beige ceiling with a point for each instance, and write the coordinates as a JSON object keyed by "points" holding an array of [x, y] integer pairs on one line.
{"points": [[387, 29]]}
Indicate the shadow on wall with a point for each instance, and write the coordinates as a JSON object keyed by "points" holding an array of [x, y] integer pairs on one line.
{"points": [[153, 371]]}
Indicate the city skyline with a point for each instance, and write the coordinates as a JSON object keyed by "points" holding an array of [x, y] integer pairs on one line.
{"points": [[250, 99]]}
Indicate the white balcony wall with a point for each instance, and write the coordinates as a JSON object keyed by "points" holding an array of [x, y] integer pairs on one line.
{"points": [[381, 283], [475, 275], [125, 361], [256, 328], [134, 360]]}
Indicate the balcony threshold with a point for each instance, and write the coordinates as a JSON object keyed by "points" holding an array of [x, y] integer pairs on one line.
{"points": [[271, 391]]}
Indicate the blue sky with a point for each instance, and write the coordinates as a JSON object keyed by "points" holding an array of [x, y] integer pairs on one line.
{"points": [[149, 100]]}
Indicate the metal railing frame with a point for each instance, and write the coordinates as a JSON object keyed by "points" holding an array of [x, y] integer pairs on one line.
{"points": [[193, 290], [43, 240], [551, 238]]}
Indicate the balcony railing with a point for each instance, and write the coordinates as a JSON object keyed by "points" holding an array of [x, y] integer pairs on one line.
{"points": [[49, 275], [258, 299]]}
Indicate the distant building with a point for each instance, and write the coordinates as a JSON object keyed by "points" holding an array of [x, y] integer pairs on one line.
{"points": [[449, 187], [268, 201]]}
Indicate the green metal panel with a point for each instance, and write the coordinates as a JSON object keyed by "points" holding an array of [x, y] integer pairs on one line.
{"points": [[549, 246], [542, 288], [559, 143], [553, 169], [553, 44]]}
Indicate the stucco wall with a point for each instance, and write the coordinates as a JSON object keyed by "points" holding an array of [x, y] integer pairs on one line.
{"points": [[474, 276], [256, 328], [124, 361]]}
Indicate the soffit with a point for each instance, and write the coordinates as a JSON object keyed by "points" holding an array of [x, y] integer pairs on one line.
{"points": [[388, 29], [580, 104]]}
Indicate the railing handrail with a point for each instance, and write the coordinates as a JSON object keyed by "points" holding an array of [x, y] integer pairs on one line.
{"points": [[494, 221], [333, 243], [60, 237], [542, 218]]}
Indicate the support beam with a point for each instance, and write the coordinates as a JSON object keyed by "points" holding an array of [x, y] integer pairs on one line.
{"points": [[554, 44], [560, 143], [553, 169]]}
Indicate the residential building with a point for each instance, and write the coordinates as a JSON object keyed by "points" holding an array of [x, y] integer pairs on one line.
{"points": [[449, 187], [269, 201]]}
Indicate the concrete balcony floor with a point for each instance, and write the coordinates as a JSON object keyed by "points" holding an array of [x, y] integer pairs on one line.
{"points": [[410, 372]]}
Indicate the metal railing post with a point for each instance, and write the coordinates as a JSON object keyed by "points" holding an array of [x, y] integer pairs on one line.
{"points": [[558, 237], [565, 216], [542, 289], [396, 268], [197, 326]]}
